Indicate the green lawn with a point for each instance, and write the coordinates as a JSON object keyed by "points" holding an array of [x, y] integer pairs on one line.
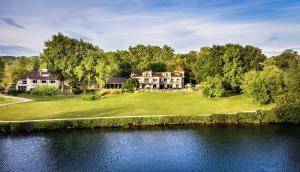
{"points": [[4, 100], [163, 103]]}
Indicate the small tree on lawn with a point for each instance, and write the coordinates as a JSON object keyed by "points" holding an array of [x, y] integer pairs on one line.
{"points": [[130, 84], [213, 87]]}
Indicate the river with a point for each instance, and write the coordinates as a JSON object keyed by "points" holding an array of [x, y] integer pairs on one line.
{"points": [[175, 148]]}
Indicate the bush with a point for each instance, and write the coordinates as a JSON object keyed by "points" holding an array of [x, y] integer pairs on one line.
{"points": [[91, 91], [130, 84], [103, 92], [12, 91], [77, 91], [44, 90], [90, 97], [213, 87]]}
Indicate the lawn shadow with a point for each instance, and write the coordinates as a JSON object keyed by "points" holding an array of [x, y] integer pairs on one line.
{"points": [[96, 112], [48, 98], [231, 94]]}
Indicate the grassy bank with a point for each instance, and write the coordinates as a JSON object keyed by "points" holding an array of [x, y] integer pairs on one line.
{"points": [[140, 104], [258, 117]]}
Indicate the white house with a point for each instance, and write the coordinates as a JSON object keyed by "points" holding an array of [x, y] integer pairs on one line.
{"points": [[35, 78], [160, 80]]}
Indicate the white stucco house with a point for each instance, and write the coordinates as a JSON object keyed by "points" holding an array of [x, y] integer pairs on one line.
{"points": [[35, 78], [160, 80]]}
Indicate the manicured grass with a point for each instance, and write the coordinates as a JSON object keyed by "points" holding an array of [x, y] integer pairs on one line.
{"points": [[4, 100], [162, 103]]}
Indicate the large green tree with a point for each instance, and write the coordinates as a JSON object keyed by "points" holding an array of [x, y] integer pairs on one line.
{"points": [[230, 61], [209, 63], [288, 103], [141, 56], [264, 85], [63, 54], [287, 59]]}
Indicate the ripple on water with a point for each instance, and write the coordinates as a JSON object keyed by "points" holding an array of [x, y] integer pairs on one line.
{"points": [[202, 148]]}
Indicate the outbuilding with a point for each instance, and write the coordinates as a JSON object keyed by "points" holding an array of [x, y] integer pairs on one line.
{"points": [[115, 82]]}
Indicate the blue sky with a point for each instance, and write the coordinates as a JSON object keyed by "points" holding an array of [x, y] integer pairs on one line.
{"points": [[272, 25]]}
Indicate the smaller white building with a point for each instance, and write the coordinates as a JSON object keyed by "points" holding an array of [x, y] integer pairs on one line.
{"points": [[35, 78]]}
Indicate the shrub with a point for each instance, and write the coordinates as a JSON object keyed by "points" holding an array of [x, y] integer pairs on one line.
{"points": [[130, 84], [91, 91], [45, 90], [12, 91], [90, 97], [77, 91], [103, 92], [213, 87]]}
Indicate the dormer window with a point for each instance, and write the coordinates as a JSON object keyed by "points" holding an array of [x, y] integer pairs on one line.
{"points": [[24, 82]]}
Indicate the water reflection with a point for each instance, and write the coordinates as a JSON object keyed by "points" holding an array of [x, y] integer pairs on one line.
{"points": [[201, 148]]}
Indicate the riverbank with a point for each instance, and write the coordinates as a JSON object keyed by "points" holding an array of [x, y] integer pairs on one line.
{"points": [[258, 117]]}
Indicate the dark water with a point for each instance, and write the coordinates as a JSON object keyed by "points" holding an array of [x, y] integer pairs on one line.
{"points": [[201, 148]]}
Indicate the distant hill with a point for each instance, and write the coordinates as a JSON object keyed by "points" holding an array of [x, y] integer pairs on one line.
{"points": [[8, 59]]}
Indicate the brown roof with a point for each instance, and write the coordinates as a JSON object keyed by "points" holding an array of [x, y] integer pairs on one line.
{"points": [[137, 73], [179, 69], [39, 75], [116, 80], [176, 74]]}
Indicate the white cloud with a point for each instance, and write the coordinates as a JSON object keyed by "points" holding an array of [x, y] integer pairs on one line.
{"points": [[112, 29]]}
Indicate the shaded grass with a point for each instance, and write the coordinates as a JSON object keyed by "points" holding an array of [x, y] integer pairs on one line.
{"points": [[4, 100], [136, 104]]}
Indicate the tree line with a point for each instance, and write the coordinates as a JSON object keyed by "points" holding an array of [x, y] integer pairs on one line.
{"points": [[218, 69]]}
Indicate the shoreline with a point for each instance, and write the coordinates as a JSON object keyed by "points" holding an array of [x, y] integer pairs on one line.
{"points": [[259, 117]]}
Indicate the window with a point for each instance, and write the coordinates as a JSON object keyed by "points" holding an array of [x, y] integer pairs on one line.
{"points": [[34, 81], [172, 80], [24, 82], [177, 80], [146, 80], [165, 80], [52, 82], [44, 81], [154, 80]]}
